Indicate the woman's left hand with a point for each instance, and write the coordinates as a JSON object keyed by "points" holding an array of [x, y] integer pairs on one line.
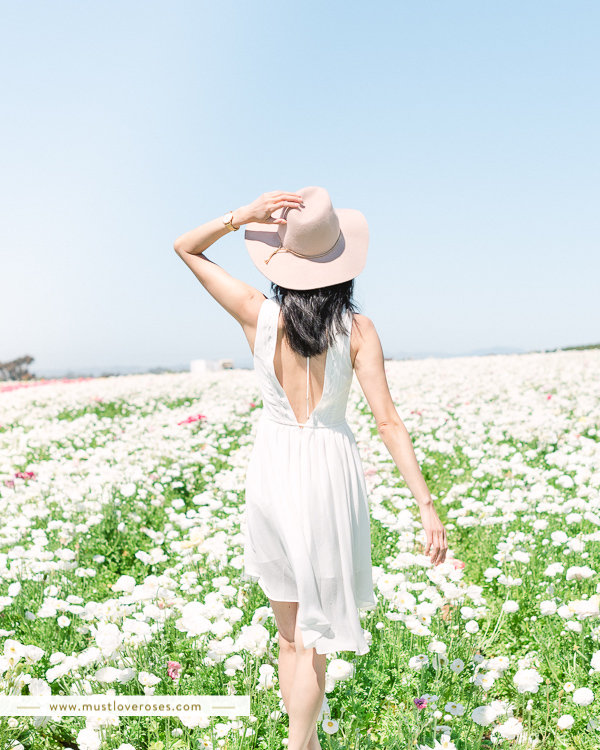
{"points": [[436, 545]]}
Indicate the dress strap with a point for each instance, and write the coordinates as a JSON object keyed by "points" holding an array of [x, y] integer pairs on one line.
{"points": [[307, 376], [263, 331]]}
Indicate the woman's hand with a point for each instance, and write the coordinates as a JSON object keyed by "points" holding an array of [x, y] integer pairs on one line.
{"points": [[437, 543], [261, 209]]}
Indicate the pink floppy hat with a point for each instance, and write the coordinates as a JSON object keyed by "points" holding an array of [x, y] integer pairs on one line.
{"points": [[319, 245]]}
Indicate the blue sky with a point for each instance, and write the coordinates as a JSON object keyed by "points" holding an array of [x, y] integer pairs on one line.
{"points": [[466, 132]]}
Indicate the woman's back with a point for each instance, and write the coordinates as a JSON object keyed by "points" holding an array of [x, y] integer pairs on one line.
{"points": [[301, 391], [290, 371]]}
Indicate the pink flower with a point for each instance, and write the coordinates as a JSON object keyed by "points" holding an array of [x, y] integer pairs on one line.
{"points": [[420, 703], [458, 564], [25, 474], [195, 418], [173, 669]]}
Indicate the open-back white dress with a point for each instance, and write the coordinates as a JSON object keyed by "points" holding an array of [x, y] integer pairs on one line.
{"points": [[307, 525]]}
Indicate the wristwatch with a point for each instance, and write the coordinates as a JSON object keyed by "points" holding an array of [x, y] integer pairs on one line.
{"points": [[227, 220]]}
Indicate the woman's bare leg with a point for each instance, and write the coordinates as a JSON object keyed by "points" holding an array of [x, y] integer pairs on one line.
{"points": [[301, 679]]}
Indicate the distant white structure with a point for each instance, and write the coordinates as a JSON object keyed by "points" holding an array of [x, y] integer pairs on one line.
{"points": [[199, 366]]}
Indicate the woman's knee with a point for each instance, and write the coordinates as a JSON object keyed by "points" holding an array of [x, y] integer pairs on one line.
{"points": [[286, 641], [285, 617]]}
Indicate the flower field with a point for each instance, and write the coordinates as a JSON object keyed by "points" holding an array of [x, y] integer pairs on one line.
{"points": [[121, 545]]}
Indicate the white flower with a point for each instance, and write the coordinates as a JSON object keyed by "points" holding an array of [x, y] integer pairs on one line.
{"points": [[404, 600], [456, 709], [124, 583], [583, 696], [233, 664], [261, 615], [569, 687], [491, 573], [444, 743], [457, 666], [32, 653], [329, 725], [554, 569], [596, 661], [39, 688], [502, 708], [527, 680], [127, 490], [472, 627], [577, 573], [484, 681], [147, 679], [566, 721], [499, 663], [510, 606], [197, 719], [14, 589], [193, 621], [340, 670], [510, 729], [108, 637], [565, 612], [252, 638], [483, 715], [585, 608], [107, 674], [426, 609], [510, 581], [559, 537], [565, 481], [266, 679], [439, 660], [88, 739], [576, 545], [437, 647], [13, 650], [548, 607], [417, 662]]}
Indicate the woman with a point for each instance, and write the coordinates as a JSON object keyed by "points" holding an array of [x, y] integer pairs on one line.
{"points": [[307, 520]]}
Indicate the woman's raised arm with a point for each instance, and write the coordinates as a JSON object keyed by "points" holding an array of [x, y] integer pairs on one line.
{"points": [[237, 297]]}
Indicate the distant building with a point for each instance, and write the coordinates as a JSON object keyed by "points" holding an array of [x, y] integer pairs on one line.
{"points": [[198, 366]]}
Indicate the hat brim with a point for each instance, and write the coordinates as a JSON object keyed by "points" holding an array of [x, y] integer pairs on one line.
{"points": [[345, 261]]}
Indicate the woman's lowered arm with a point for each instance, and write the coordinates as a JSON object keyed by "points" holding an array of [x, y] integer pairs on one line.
{"points": [[370, 371]]}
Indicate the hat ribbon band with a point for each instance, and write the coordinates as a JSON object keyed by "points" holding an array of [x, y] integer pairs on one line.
{"points": [[302, 255]]}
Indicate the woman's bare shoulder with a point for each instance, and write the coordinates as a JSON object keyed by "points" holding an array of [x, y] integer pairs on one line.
{"points": [[363, 329]]}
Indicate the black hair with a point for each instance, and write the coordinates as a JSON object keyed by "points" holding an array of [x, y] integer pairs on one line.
{"points": [[313, 317]]}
